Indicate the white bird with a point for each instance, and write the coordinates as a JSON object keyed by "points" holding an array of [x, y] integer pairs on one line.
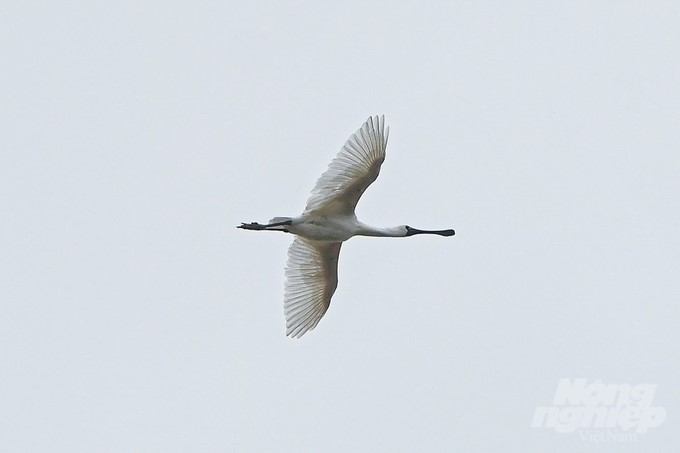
{"points": [[328, 221]]}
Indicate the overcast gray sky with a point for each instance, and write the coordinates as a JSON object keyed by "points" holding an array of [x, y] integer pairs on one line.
{"points": [[136, 135]]}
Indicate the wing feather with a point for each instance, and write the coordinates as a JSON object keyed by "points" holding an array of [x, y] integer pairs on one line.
{"points": [[311, 279], [355, 167]]}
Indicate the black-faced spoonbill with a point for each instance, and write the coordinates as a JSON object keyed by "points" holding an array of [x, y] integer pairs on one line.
{"points": [[328, 221]]}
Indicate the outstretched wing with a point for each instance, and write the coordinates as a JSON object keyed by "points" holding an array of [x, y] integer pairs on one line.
{"points": [[354, 168], [311, 279]]}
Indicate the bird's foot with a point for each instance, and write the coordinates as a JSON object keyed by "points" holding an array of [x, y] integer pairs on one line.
{"points": [[252, 226]]}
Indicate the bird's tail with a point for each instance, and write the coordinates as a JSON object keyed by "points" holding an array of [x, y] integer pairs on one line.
{"points": [[279, 223], [280, 220]]}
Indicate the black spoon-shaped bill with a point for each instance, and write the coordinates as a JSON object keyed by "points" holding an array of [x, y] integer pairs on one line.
{"points": [[413, 231]]}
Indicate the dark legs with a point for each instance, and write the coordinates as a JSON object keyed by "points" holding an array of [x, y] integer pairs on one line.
{"points": [[271, 227]]}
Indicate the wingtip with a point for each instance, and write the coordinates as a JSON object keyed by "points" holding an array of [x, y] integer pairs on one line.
{"points": [[293, 333], [376, 118], [377, 122]]}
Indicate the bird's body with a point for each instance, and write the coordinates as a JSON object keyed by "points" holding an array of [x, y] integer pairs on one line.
{"points": [[329, 228], [327, 221], [324, 228]]}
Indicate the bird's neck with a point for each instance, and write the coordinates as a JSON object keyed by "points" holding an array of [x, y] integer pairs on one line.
{"points": [[368, 230]]}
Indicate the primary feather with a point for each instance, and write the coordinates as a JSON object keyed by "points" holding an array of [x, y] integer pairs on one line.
{"points": [[355, 167]]}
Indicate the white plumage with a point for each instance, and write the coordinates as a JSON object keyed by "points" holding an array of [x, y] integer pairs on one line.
{"points": [[311, 279], [327, 221]]}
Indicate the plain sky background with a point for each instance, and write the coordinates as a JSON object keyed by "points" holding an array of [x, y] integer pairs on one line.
{"points": [[135, 135]]}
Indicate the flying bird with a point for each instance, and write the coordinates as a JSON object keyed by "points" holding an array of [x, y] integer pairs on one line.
{"points": [[327, 221]]}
